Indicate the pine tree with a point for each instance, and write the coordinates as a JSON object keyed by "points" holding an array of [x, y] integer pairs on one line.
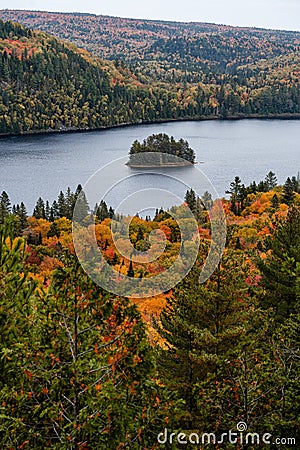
{"points": [[238, 195], [207, 200], [130, 272], [295, 183], [102, 211], [5, 206], [62, 206], [279, 268], [271, 181], [70, 203], [16, 299], [20, 212], [191, 200], [53, 231], [54, 211], [252, 188], [82, 367], [140, 234], [82, 207], [39, 210], [111, 212], [47, 211], [288, 192], [201, 325], [285, 343], [275, 201]]}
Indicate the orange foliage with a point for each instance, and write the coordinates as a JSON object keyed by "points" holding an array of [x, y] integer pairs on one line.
{"points": [[39, 226]]}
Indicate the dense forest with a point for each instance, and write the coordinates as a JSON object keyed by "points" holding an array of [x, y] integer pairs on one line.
{"points": [[47, 84], [203, 365], [164, 149], [84, 369]]}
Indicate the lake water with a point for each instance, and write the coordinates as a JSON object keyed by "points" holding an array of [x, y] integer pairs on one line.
{"points": [[33, 166]]}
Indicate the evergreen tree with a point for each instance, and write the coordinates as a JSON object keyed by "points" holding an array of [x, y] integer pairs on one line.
{"points": [[111, 212], [191, 200], [207, 200], [295, 183], [275, 201], [5, 206], [285, 343], [20, 212], [47, 211], [141, 244], [288, 192], [62, 206], [279, 268], [102, 211], [238, 195], [16, 297], [262, 186], [76, 368], [201, 326], [130, 272], [82, 206], [53, 231], [252, 188], [54, 211], [271, 180], [70, 203], [39, 210], [140, 234]]}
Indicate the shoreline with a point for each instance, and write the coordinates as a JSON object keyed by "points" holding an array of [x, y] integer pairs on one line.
{"points": [[71, 130], [159, 166]]}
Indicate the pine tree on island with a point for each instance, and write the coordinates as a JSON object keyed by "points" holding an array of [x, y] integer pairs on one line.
{"points": [[160, 150]]}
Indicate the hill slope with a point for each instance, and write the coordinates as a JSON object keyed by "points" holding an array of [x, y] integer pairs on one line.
{"points": [[130, 39], [192, 47], [47, 84]]}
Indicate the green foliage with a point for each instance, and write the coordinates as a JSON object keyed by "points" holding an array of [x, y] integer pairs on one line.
{"points": [[288, 192], [76, 366], [285, 343], [279, 269], [191, 200], [16, 295], [130, 272], [163, 144], [275, 201], [4, 207], [202, 325], [54, 86], [20, 213], [238, 194], [102, 212], [39, 209], [271, 180]]}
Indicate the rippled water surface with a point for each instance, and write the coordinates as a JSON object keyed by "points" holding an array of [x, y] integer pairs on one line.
{"points": [[33, 166]]}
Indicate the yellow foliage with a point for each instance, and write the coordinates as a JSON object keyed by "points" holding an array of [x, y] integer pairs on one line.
{"points": [[39, 225], [64, 225]]}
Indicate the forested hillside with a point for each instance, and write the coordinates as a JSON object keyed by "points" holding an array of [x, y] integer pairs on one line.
{"points": [[84, 369], [132, 39], [46, 84], [168, 71]]}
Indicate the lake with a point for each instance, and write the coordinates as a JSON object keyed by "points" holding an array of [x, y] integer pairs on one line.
{"points": [[42, 165]]}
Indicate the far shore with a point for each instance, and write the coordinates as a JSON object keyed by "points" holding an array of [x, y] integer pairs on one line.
{"points": [[66, 130]]}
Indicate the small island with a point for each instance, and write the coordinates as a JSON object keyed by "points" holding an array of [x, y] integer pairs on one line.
{"points": [[160, 150]]}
